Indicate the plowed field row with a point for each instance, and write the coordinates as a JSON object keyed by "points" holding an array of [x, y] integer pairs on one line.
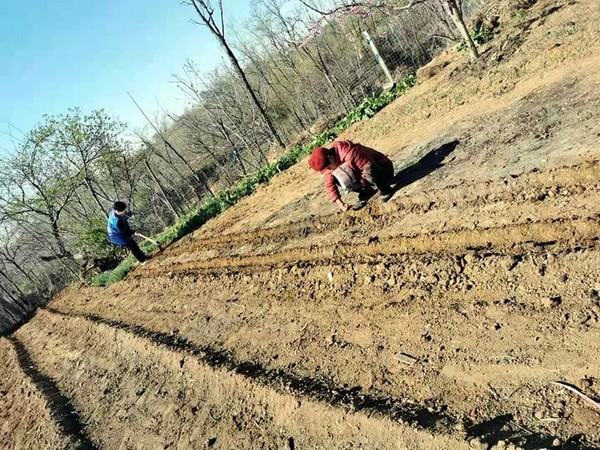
{"points": [[147, 390], [508, 240], [556, 186], [45, 419], [362, 314]]}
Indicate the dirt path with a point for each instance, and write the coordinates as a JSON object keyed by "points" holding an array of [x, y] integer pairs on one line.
{"points": [[282, 324]]}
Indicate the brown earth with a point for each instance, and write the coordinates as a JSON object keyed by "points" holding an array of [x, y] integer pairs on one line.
{"points": [[281, 323]]}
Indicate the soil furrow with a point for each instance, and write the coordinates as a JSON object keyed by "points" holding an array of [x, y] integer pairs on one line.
{"points": [[331, 319], [319, 389], [61, 409], [160, 389], [508, 239], [25, 416], [351, 399], [530, 188]]}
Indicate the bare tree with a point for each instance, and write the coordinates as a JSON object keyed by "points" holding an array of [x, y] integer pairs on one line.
{"points": [[206, 13], [362, 8], [178, 154]]}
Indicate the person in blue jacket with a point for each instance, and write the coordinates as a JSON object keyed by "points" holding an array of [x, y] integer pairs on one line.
{"points": [[119, 232]]}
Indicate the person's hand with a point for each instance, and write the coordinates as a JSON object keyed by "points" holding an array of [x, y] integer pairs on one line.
{"points": [[343, 206]]}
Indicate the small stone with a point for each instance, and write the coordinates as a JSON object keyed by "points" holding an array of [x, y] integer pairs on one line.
{"points": [[539, 414], [330, 276], [559, 405], [556, 443], [405, 358], [564, 278], [551, 302], [392, 280], [500, 444]]}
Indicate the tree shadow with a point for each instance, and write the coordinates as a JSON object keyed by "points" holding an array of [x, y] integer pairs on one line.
{"points": [[11, 317], [505, 428], [60, 406], [317, 388], [424, 166], [351, 398]]}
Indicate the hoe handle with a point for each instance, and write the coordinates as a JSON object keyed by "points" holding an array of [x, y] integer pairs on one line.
{"points": [[148, 239]]}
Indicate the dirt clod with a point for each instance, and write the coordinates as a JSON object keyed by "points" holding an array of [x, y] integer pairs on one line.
{"points": [[550, 302]]}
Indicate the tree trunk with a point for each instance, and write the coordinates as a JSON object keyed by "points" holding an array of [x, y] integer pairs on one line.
{"points": [[457, 18], [242, 74], [162, 190]]}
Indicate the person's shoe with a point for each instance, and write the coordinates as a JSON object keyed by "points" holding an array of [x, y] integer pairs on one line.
{"points": [[366, 193]]}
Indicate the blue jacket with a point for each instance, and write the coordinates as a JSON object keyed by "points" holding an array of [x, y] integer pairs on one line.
{"points": [[118, 229]]}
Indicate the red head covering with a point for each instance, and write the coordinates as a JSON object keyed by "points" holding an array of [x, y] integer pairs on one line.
{"points": [[318, 160]]}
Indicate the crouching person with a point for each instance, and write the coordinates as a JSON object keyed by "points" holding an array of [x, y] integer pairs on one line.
{"points": [[353, 167], [119, 232]]}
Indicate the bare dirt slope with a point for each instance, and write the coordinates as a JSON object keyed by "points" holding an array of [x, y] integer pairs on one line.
{"points": [[280, 324]]}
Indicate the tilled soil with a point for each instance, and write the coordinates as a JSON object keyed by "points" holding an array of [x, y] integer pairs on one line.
{"points": [[439, 319]]}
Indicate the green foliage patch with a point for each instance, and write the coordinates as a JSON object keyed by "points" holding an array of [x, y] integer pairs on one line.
{"points": [[92, 238], [229, 197], [479, 35]]}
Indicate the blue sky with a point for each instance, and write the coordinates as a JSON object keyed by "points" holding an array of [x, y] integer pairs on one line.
{"points": [[56, 54]]}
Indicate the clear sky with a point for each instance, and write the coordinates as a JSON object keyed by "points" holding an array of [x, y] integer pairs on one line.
{"points": [[56, 54]]}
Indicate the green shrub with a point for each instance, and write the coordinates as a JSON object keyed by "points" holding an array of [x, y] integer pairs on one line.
{"points": [[117, 274], [480, 36], [93, 243]]}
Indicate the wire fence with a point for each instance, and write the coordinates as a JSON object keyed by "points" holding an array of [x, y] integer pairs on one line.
{"points": [[383, 49]]}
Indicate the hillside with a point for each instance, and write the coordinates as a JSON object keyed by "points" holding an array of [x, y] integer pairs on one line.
{"points": [[281, 323]]}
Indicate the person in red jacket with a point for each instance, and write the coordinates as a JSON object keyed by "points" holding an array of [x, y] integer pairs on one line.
{"points": [[367, 167]]}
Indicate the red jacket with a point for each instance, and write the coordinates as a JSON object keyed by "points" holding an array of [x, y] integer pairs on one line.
{"points": [[356, 157]]}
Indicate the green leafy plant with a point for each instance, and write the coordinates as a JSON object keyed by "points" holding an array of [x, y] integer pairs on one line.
{"points": [[229, 197], [480, 36], [519, 14]]}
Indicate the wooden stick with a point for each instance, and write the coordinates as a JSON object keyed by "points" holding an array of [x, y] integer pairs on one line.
{"points": [[573, 389], [148, 239]]}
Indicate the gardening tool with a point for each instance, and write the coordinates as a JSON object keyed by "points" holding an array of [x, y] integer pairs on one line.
{"points": [[149, 240]]}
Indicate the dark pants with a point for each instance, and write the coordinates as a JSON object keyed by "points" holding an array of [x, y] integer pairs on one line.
{"points": [[380, 175], [136, 250]]}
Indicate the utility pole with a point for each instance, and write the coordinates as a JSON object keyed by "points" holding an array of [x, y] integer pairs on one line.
{"points": [[379, 59]]}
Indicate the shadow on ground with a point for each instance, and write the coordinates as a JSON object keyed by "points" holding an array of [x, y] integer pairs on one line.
{"points": [[427, 164], [353, 399], [414, 172], [59, 405], [506, 428]]}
